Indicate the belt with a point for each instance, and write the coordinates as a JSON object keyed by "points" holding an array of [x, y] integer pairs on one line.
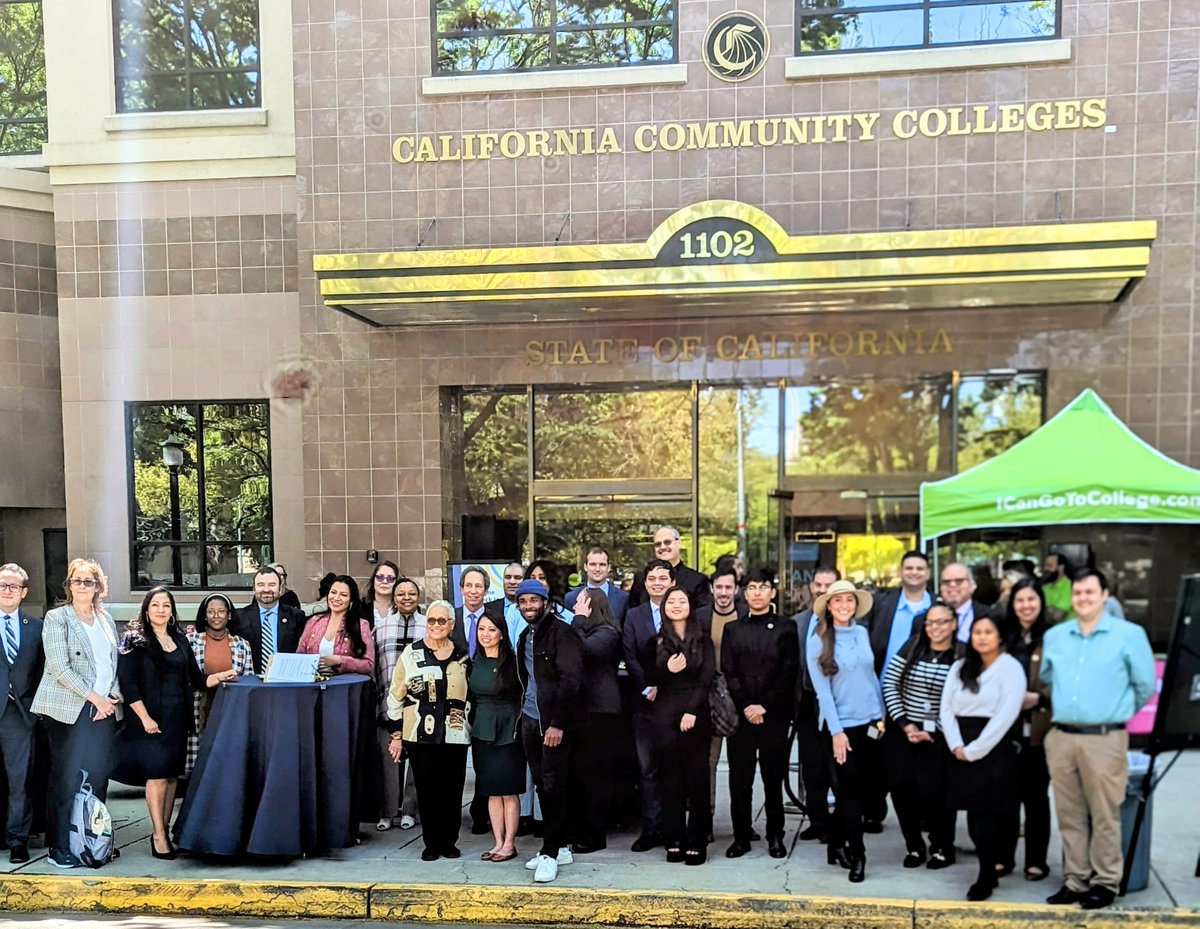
{"points": [[1103, 729]]}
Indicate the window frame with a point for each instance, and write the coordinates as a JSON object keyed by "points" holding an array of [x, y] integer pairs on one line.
{"points": [[131, 407], [42, 120], [923, 6], [552, 30], [120, 76]]}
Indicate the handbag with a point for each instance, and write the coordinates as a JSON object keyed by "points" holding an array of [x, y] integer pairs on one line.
{"points": [[724, 714]]}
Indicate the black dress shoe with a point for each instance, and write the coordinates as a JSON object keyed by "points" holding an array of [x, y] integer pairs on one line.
{"points": [[1065, 896], [836, 854], [645, 842], [939, 859], [737, 849], [429, 855], [812, 832], [873, 826], [451, 852], [981, 889], [1097, 898], [18, 854], [586, 848], [914, 859], [858, 869], [776, 848]]}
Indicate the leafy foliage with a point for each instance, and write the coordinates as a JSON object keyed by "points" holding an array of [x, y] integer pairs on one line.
{"points": [[22, 78]]}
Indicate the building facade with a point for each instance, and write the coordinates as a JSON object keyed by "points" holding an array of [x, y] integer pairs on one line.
{"points": [[498, 280]]}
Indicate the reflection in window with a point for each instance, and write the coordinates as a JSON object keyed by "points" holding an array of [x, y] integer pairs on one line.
{"points": [[720, 467], [209, 523], [865, 428], [495, 515], [186, 54], [613, 436], [22, 77], [994, 414], [873, 25], [537, 35]]}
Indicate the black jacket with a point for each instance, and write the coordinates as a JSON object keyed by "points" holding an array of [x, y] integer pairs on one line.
{"points": [[492, 609], [24, 676], [602, 652], [760, 657], [248, 624], [141, 679], [557, 671], [691, 580]]}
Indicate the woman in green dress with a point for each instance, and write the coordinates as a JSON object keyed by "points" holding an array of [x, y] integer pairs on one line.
{"points": [[495, 696]]}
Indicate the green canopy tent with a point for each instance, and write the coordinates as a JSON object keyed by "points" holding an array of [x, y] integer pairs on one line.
{"points": [[1083, 466]]}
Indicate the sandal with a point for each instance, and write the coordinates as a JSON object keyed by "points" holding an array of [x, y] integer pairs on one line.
{"points": [[1036, 872], [383, 825]]}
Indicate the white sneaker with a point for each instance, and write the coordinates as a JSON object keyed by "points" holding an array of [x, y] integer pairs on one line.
{"points": [[532, 863], [565, 856], [407, 822], [547, 870]]}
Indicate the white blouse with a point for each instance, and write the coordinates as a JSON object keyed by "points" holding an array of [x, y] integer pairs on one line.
{"points": [[1001, 691], [103, 645]]}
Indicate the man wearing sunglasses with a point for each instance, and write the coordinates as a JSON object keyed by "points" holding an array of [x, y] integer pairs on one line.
{"points": [[668, 547], [21, 667]]}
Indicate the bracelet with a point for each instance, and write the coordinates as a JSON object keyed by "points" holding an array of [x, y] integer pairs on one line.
{"points": [[397, 736]]}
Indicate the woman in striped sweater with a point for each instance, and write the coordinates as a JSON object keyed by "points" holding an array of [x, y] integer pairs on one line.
{"points": [[914, 747]]}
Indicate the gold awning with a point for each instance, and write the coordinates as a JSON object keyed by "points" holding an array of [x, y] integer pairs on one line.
{"points": [[721, 257]]}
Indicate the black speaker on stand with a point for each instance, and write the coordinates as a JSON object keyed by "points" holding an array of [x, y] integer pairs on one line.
{"points": [[1177, 718]]}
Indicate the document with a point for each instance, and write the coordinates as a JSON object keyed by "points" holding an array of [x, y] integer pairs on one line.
{"points": [[287, 668]]}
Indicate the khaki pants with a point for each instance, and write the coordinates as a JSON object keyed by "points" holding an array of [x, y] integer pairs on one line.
{"points": [[1089, 774]]}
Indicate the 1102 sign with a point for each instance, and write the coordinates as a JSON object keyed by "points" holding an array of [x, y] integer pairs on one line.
{"points": [[718, 244]]}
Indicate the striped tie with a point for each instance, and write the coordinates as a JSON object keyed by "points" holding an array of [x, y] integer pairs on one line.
{"points": [[10, 639], [268, 638]]}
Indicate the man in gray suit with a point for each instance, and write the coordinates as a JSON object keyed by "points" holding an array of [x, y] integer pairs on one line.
{"points": [[21, 664]]}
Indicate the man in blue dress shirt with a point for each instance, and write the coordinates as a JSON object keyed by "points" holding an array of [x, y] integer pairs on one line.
{"points": [[1100, 671]]}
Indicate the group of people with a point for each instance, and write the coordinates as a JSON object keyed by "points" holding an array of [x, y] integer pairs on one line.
{"points": [[936, 699]]}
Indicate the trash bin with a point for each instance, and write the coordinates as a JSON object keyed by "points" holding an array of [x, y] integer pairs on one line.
{"points": [[1139, 873]]}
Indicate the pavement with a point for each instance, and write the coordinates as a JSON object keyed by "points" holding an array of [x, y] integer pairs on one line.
{"points": [[384, 879]]}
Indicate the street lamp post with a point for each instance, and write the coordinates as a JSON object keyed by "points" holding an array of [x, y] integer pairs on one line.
{"points": [[172, 455]]}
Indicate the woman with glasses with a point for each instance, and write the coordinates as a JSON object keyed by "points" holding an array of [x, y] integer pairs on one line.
{"points": [[427, 703], [842, 667], [377, 603], [78, 699], [914, 745], [981, 708], [287, 596], [1027, 625], [159, 677], [216, 650], [393, 633], [343, 641]]}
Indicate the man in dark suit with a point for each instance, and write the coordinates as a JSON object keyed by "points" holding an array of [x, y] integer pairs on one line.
{"points": [[21, 664], [268, 625], [596, 568], [958, 589], [668, 548], [814, 767], [891, 617], [642, 624], [473, 584]]}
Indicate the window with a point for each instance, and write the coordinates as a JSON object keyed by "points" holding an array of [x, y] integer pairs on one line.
{"points": [[473, 36], [22, 77], [880, 25], [186, 54], [200, 493]]}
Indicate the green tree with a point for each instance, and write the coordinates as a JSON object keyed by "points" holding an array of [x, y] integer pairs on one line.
{"points": [[22, 78]]}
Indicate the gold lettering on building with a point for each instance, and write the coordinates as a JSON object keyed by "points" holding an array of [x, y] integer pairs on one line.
{"points": [[765, 132], [764, 346]]}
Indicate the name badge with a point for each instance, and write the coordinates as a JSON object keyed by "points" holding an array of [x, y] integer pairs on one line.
{"points": [[930, 726]]}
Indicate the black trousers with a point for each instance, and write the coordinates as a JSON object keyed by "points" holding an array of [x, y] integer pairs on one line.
{"points": [[683, 782], [1034, 784], [85, 745], [917, 778], [814, 762], [767, 746], [989, 831], [851, 781], [591, 778], [551, 770], [16, 750], [440, 771], [647, 756]]}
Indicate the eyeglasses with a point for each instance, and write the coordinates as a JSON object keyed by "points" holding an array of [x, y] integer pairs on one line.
{"points": [[85, 582], [665, 543], [216, 614], [758, 588], [437, 620], [386, 578], [11, 588], [955, 580]]}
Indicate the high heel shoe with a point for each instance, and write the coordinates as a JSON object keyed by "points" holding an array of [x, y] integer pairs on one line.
{"points": [[836, 854], [168, 855], [858, 869]]}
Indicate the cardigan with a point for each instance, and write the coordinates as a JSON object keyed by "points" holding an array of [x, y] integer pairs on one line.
{"points": [[429, 697]]}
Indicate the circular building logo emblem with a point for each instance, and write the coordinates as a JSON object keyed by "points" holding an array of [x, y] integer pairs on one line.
{"points": [[736, 46]]}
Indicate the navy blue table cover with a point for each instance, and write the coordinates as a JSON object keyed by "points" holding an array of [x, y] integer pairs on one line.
{"points": [[283, 769]]}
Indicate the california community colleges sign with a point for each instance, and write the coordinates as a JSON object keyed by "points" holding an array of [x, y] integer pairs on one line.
{"points": [[817, 129]]}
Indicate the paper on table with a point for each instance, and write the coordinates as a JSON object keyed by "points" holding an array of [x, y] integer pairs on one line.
{"points": [[287, 668]]}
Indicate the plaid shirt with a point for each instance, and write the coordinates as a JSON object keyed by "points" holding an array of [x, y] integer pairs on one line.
{"points": [[392, 635], [243, 663]]}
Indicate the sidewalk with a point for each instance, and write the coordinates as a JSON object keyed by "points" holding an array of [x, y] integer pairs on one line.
{"points": [[384, 878]]}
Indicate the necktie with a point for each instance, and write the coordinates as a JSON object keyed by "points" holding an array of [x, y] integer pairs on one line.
{"points": [[471, 634], [10, 639], [268, 637]]}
